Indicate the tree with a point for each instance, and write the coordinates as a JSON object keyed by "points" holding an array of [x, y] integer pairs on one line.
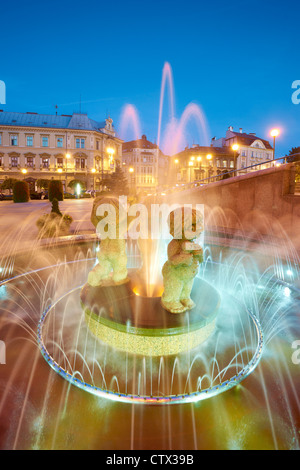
{"points": [[116, 183], [55, 190], [74, 183], [42, 183], [21, 191], [294, 155], [9, 184]]}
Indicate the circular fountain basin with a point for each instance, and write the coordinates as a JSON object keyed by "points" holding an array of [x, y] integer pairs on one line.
{"points": [[140, 325]]}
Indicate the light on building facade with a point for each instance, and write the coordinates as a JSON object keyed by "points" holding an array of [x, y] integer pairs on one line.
{"points": [[24, 171]]}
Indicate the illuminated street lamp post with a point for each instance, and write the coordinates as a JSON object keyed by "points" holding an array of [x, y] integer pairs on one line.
{"points": [[131, 171], [274, 133], [235, 148], [209, 158]]}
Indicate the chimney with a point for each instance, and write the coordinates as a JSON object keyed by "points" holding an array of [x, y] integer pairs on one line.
{"points": [[230, 128], [241, 130]]}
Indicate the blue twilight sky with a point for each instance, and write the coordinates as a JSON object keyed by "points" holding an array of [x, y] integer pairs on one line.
{"points": [[236, 59]]}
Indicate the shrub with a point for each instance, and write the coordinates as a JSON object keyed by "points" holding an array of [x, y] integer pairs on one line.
{"points": [[55, 190], [21, 191], [55, 207]]}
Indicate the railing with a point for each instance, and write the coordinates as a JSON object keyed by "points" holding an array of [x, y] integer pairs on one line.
{"points": [[228, 174]]}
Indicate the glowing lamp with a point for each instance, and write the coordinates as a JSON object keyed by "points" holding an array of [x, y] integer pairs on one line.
{"points": [[24, 171], [59, 170], [235, 147], [275, 132]]}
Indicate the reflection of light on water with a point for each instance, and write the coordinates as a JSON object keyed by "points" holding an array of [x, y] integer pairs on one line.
{"points": [[3, 292], [287, 291]]}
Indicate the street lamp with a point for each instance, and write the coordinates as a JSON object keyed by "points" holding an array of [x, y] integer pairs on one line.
{"points": [[235, 148], [131, 171], [274, 133]]}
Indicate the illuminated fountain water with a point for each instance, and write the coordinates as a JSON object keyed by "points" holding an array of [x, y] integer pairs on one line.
{"points": [[258, 282]]}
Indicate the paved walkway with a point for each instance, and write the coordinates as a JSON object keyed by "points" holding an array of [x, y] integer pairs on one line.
{"points": [[18, 221]]}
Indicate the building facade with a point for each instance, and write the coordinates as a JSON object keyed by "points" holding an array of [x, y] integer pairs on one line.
{"points": [[145, 166], [66, 147], [252, 150], [199, 163]]}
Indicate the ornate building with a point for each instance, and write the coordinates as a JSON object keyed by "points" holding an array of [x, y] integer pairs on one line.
{"points": [[145, 165], [252, 150], [198, 163], [67, 147]]}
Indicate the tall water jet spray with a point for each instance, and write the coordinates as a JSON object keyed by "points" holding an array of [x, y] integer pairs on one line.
{"points": [[130, 116], [167, 76]]}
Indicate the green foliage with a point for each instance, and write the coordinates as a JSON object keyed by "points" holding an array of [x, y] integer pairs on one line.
{"points": [[294, 155], [55, 190], [116, 183], [73, 185], [55, 207], [54, 224], [8, 184], [21, 191], [43, 183]]}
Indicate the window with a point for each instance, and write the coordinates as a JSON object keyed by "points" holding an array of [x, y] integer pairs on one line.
{"points": [[30, 162], [0, 139], [29, 140], [80, 163], [45, 141], [45, 163], [97, 145], [243, 153], [14, 162], [80, 143], [1, 162], [59, 162], [224, 163], [218, 163], [231, 164], [59, 142], [14, 140]]}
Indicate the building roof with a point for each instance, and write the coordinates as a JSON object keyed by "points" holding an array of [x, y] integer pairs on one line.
{"points": [[201, 150], [248, 139], [74, 121], [142, 143]]}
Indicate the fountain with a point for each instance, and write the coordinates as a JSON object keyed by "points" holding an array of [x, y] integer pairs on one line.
{"points": [[96, 393]]}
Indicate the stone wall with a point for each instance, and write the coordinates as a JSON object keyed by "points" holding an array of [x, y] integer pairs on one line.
{"points": [[262, 203]]}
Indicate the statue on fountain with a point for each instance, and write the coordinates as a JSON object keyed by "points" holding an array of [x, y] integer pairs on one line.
{"points": [[112, 259], [184, 257]]}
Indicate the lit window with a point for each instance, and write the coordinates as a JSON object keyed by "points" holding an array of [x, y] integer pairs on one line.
{"points": [[30, 162], [80, 163], [224, 163], [14, 162], [45, 163], [59, 162], [231, 164]]}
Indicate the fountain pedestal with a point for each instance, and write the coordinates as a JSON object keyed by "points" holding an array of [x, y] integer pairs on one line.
{"points": [[140, 325]]}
